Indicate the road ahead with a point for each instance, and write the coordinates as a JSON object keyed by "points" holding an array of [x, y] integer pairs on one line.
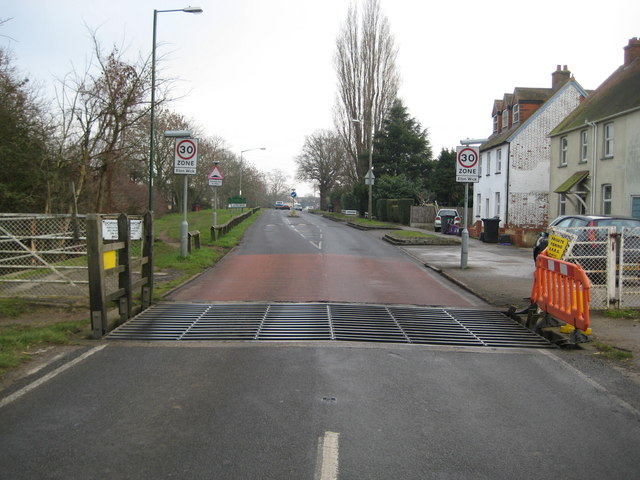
{"points": [[308, 258], [315, 410]]}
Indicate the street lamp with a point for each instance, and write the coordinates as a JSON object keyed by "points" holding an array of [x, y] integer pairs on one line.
{"points": [[153, 95], [369, 176], [241, 154]]}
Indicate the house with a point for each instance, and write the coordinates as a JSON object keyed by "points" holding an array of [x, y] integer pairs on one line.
{"points": [[595, 151], [515, 159]]}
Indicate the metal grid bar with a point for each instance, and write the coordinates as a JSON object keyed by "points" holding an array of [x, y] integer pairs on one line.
{"points": [[341, 322]]}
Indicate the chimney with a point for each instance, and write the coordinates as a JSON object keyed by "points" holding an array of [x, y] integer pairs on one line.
{"points": [[632, 51], [560, 77]]}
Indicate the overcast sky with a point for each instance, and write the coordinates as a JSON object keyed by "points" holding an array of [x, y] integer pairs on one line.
{"points": [[259, 73]]}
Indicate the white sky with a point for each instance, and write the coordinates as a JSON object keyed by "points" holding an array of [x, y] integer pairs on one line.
{"points": [[259, 73]]}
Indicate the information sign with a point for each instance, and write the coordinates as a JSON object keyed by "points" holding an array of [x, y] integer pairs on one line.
{"points": [[467, 160], [186, 156]]}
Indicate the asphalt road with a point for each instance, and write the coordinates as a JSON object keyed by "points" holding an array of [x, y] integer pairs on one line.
{"points": [[308, 258], [259, 411], [315, 410]]}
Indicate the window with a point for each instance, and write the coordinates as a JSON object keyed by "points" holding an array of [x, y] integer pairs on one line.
{"points": [[499, 160], [635, 207], [505, 119], [516, 113], [563, 151], [482, 157], [562, 204], [584, 142], [608, 140], [606, 199], [488, 164], [486, 207], [497, 204], [495, 123], [478, 205]]}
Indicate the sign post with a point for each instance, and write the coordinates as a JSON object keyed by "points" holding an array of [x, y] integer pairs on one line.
{"points": [[293, 197], [467, 166], [185, 163], [215, 180]]}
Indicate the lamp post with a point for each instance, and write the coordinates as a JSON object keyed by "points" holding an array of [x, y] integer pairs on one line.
{"points": [[153, 95], [369, 176], [241, 154]]}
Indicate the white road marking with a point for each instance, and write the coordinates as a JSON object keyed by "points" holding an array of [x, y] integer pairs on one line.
{"points": [[49, 376], [327, 465], [317, 244]]}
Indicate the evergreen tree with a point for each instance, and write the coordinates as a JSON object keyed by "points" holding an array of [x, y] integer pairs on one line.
{"points": [[443, 180]]}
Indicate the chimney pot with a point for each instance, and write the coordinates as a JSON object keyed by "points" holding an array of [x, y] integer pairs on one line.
{"points": [[632, 50]]}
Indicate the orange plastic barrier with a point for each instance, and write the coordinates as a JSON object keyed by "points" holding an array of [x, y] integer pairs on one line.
{"points": [[562, 289]]}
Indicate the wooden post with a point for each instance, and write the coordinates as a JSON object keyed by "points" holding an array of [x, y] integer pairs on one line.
{"points": [[147, 268], [125, 278], [95, 261]]}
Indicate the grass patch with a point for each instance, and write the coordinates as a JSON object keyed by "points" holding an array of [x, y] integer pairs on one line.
{"points": [[625, 314], [359, 220], [12, 307], [16, 341], [411, 234], [612, 353]]}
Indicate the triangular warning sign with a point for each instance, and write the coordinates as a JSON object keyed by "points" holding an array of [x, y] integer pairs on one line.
{"points": [[215, 174]]}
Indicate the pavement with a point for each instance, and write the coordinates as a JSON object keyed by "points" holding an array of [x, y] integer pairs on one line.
{"points": [[502, 275]]}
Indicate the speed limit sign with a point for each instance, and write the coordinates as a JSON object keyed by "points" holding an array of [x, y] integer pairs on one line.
{"points": [[467, 164], [186, 156]]}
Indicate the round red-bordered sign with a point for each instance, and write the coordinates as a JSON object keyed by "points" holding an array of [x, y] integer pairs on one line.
{"points": [[186, 149], [467, 158]]}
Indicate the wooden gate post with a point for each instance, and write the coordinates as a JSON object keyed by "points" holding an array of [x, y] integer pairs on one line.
{"points": [[95, 262], [147, 268]]}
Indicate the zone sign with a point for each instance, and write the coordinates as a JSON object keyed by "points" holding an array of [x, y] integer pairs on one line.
{"points": [[467, 159], [186, 156]]}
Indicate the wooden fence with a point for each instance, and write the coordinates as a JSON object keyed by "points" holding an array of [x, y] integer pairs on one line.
{"points": [[121, 249]]}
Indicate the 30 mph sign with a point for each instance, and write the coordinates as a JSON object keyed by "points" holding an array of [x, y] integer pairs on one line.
{"points": [[467, 159], [186, 156]]}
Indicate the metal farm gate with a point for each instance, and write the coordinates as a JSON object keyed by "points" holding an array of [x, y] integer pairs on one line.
{"points": [[43, 256]]}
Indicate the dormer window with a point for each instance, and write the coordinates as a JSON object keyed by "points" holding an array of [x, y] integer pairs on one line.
{"points": [[516, 113], [505, 119], [495, 123]]}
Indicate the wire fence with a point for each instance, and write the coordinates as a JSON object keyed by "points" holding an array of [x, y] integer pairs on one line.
{"points": [[43, 257], [611, 260]]}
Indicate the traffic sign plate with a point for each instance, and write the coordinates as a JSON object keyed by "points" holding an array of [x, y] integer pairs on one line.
{"points": [[186, 156], [467, 164]]}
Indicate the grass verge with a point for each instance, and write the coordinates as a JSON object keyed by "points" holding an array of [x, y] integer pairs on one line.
{"points": [[26, 328], [612, 353]]}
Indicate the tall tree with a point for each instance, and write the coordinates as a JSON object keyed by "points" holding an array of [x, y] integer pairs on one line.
{"points": [[24, 143], [443, 180], [365, 63], [402, 146], [322, 162]]}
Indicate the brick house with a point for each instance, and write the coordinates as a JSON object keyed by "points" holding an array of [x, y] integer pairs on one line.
{"points": [[595, 151], [516, 158]]}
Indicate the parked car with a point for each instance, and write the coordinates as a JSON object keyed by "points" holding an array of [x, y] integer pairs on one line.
{"points": [[568, 221], [297, 206], [446, 212]]}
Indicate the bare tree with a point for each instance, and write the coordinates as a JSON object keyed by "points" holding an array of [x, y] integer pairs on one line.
{"points": [[322, 162], [277, 186], [368, 81]]}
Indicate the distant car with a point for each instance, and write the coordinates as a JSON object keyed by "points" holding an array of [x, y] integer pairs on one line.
{"points": [[297, 206], [446, 212], [279, 205], [568, 221], [285, 206]]}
